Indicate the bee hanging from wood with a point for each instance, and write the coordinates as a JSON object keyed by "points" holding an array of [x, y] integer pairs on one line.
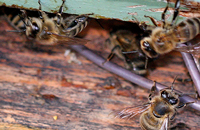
{"points": [[169, 36], [44, 30]]}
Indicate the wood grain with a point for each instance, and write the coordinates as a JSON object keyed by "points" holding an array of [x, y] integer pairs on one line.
{"points": [[38, 86]]}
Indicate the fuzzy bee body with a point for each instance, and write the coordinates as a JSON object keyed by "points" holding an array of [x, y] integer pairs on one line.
{"points": [[16, 22], [158, 114], [188, 29], [124, 41], [75, 24], [45, 30], [155, 114], [166, 38]]}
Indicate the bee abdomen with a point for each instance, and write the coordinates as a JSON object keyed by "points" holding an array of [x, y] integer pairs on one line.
{"points": [[76, 28], [16, 22], [188, 28], [149, 122]]}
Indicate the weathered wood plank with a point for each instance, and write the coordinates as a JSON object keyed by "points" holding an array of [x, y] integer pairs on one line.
{"points": [[36, 87], [125, 10]]}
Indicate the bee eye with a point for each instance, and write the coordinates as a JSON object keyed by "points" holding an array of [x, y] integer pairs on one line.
{"points": [[146, 44], [35, 30], [35, 27], [173, 101], [164, 94]]}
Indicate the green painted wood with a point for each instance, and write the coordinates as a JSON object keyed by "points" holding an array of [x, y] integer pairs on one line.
{"points": [[117, 9]]}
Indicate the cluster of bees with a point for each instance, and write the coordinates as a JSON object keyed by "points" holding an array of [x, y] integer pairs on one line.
{"points": [[134, 50]]}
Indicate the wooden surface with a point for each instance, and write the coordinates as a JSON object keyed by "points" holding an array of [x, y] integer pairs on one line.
{"points": [[126, 10], [42, 90]]}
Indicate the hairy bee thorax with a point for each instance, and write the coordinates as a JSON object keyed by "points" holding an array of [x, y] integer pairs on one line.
{"points": [[33, 27], [161, 108], [163, 40], [169, 36]]}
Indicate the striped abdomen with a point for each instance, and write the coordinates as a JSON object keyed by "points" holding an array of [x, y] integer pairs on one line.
{"points": [[16, 22], [75, 24], [188, 29], [149, 122]]}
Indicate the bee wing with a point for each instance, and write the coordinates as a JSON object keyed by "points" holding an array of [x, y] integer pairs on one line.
{"points": [[61, 39], [130, 112], [165, 124], [190, 48]]}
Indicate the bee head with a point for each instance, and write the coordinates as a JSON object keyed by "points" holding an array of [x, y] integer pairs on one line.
{"points": [[34, 27], [170, 96], [146, 46]]}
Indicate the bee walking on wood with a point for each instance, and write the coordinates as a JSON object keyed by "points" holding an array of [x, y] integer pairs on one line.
{"points": [[160, 109], [50, 31], [122, 40], [169, 37]]}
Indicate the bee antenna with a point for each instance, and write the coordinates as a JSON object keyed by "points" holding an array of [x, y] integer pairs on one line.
{"points": [[135, 19], [18, 31], [176, 11], [128, 52], [172, 87]]}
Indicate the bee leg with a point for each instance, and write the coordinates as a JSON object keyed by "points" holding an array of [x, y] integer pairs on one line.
{"points": [[23, 16], [184, 104], [176, 11], [154, 21], [184, 80], [110, 56], [196, 94], [152, 91], [163, 14], [40, 11], [172, 87], [60, 13], [173, 116]]}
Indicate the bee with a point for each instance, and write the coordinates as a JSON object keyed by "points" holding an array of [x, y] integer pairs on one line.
{"points": [[167, 37], [123, 40], [45, 30], [158, 111]]}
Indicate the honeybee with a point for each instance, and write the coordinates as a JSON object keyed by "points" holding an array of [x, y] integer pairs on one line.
{"points": [[50, 31], [158, 111], [121, 41], [167, 37]]}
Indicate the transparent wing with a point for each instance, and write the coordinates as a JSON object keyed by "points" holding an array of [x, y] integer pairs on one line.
{"points": [[190, 48], [130, 112], [70, 40], [62, 39], [165, 124]]}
